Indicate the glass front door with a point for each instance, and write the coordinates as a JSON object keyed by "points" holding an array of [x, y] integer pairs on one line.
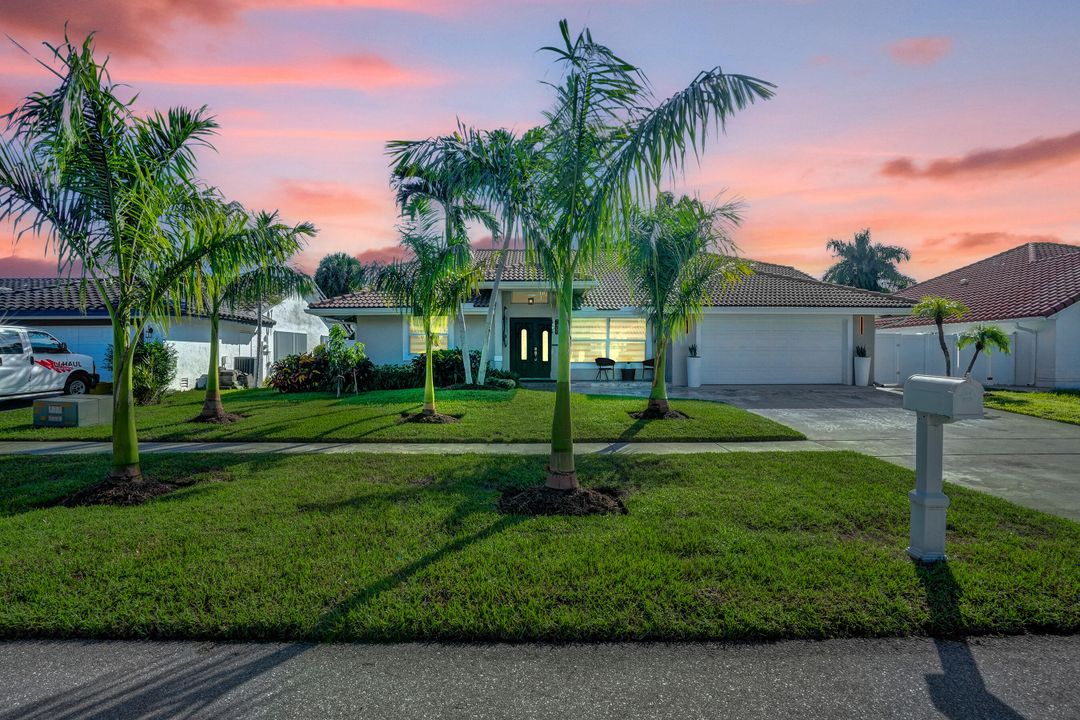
{"points": [[530, 347]]}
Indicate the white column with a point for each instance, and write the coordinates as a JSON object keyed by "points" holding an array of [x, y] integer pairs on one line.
{"points": [[928, 502]]}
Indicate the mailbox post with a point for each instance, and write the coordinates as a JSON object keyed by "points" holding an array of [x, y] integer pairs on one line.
{"points": [[936, 401]]}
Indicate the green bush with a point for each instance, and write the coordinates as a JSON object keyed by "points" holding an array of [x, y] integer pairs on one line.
{"points": [[394, 377], [153, 369], [500, 374], [501, 383], [446, 367]]}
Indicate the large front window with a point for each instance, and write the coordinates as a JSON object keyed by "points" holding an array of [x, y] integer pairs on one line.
{"points": [[621, 339], [439, 331]]}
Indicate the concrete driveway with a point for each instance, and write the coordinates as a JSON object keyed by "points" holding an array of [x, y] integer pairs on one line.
{"points": [[1030, 461]]}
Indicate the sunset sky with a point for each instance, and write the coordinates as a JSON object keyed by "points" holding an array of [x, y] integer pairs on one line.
{"points": [[951, 128]]}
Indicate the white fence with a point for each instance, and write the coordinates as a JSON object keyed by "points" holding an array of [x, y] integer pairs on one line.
{"points": [[898, 356]]}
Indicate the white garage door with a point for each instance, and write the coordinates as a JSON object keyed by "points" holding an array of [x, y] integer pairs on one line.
{"points": [[772, 349]]}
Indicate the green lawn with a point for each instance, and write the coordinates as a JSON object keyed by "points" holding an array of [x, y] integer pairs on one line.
{"points": [[486, 416], [396, 547], [1060, 405]]}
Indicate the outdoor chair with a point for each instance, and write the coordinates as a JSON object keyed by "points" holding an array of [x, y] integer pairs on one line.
{"points": [[605, 365], [648, 365]]}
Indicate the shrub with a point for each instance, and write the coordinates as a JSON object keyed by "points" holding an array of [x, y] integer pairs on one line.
{"points": [[394, 377], [500, 374], [305, 372], [501, 383], [446, 367], [153, 369]]}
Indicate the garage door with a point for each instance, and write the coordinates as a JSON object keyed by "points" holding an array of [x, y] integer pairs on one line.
{"points": [[772, 349]]}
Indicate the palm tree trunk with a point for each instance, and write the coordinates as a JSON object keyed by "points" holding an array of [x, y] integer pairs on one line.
{"points": [[429, 374], [464, 344], [485, 349], [212, 407], [944, 347], [562, 472], [658, 400], [258, 344], [978, 349], [125, 447]]}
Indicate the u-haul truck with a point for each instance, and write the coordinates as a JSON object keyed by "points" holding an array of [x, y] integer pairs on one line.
{"points": [[33, 362]]}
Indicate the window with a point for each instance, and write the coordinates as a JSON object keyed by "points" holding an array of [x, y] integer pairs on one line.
{"points": [[439, 329], [43, 342], [289, 343], [10, 342], [621, 339]]}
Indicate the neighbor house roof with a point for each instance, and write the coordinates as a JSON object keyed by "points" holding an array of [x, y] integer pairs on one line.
{"points": [[52, 297], [769, 286], [1032, 280]]}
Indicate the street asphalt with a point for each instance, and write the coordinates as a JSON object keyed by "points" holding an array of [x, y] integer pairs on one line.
{"points": [[980, 679]]}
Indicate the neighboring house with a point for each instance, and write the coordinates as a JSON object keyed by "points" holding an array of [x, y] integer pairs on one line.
{"points": [[54, 304], [777, 326], [1031, 292]]}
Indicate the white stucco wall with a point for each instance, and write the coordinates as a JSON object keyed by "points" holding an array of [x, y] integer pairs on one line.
{"points": [[1067, 348]]}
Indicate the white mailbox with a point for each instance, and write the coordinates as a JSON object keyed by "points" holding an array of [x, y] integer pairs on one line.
{"points": [[948, 397], [937, 400]]}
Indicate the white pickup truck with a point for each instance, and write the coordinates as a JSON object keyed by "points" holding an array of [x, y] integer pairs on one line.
{"points": [[33, 362]]}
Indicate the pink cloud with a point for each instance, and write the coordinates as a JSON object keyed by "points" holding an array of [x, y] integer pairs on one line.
{"points": [[312, 199], [986, 243], [1032, 155], [131, 28], [920, 50]]}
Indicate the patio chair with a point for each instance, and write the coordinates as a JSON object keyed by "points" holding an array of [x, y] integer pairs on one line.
{"points": [[648, 365], [605, 365]]}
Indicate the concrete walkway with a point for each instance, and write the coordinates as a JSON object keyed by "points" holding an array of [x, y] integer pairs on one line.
{"points": [[988, 679]]}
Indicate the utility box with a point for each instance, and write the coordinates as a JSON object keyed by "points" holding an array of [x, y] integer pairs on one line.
{"points": [[947, 397], [73, 411]]}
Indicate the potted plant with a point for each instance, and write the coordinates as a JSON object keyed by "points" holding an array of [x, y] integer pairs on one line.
{"points": [[862, 366], [693, 368]]}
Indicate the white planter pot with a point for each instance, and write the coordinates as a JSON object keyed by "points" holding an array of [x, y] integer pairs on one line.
{"points": [[862, 371], [693, 372]]}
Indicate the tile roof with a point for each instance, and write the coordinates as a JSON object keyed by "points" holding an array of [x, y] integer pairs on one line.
{"points": [[770, 286], [32, 297], [1032, 280]]}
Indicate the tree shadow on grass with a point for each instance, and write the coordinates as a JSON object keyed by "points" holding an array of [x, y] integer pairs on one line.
{"points": [[959, 692]]}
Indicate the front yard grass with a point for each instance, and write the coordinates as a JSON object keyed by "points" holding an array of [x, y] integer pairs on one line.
{"points": [[409, 547], [1060, 405], [486, 416]]}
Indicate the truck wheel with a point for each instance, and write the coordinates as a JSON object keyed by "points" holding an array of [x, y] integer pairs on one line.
{"points": [[77, 385]]}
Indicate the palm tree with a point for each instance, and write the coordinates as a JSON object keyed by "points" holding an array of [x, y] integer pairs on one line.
{"points": [[432, 284], [338, 273], [499, 164], [867, 265], [115, 194], [984, 337], [670, 257], [603, 150], [939, 309], [451, 184], [230, 286]]}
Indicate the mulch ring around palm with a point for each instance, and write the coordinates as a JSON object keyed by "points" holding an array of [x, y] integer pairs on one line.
{"points": [[126, 492], [436, 419], [223, 419], [650, 414], [542, 500]]}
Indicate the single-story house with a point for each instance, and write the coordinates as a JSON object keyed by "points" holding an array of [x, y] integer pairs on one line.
{"points": [[777, 326], [54, 305], [1032, 292]]}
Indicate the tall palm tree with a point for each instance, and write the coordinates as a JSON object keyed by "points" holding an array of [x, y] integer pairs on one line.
{"points": [[939, 309], [432, 283], [115, 194], [984, 338], [230, 286], [868, 265], [671, 258], [499, 164], [605, 148], [338, 273], [451, 184]]}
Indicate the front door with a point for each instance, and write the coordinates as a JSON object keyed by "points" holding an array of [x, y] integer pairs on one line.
{"points": [[530, 347]]}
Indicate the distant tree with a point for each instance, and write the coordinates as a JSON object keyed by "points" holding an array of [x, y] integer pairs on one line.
{"points": [[939, 309], [338, 273], [867, 265], [985, 338]]}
